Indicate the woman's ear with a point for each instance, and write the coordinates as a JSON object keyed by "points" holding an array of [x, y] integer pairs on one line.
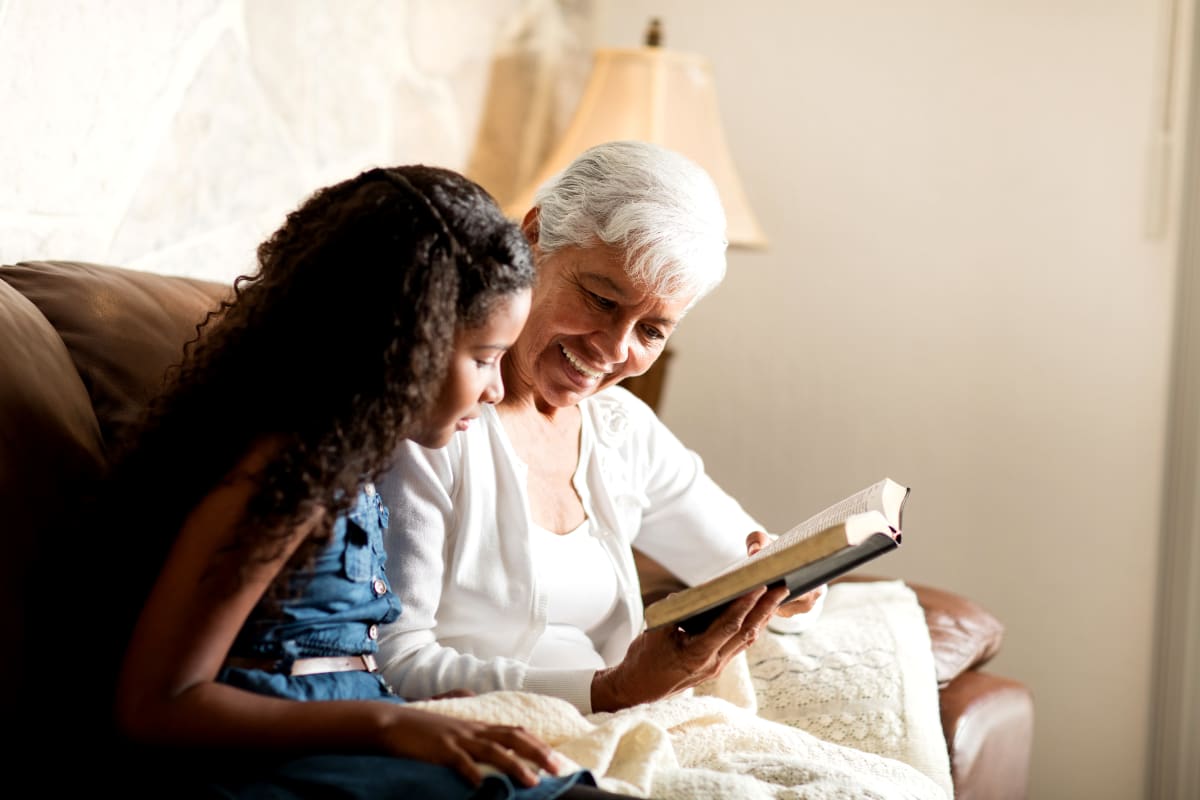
{"points": [[529, 226]]}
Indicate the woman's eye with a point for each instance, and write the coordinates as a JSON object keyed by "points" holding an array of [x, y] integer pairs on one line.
{"points": [[652, 333], [601, 302]]}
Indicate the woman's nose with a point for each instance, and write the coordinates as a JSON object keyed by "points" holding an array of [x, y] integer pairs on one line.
{"points": [[614, 344]]}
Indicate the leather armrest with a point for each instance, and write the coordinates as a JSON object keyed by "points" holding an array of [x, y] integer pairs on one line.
{"points": [[964, 635], [988, 724]]}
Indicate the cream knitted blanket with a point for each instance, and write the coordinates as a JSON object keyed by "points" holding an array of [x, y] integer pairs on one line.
{"points": [[845, 710]]}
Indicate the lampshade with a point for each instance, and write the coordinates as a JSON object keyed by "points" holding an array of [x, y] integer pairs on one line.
{"points": [[658, 96]]}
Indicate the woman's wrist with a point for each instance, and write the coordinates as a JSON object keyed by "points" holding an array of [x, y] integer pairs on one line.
{"points": [[605, 696]]}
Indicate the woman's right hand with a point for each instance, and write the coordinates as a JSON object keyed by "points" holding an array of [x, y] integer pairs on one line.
{"points": [[464, 744], [666, 660]]}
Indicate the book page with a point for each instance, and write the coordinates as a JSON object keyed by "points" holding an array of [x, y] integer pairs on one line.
{"points": [[868, 499], [865, 500], [827, 544]]}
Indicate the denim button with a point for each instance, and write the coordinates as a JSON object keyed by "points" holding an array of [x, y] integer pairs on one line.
{"points": [[373, 632], [379, 586]]}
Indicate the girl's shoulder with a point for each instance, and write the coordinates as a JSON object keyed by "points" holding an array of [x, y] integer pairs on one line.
{"points": [[250, 466], [261, 452]]}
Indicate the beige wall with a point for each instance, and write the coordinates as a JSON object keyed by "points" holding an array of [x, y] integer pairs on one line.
{"points": [[959, 294], [174, 136], [959, 291]]}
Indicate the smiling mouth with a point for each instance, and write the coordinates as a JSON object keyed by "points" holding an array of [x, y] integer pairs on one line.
{"points": [[580, 367]]}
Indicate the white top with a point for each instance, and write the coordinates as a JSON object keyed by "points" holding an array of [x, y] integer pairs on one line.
{"points": [[459, 555], [581, 592]]}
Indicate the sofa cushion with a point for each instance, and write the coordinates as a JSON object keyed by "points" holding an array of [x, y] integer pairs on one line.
{"points": [[47, 428], [122, 327], [49, 452]]}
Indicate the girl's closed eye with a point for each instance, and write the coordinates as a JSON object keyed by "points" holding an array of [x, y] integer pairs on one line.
{"points": [[490, 357]]}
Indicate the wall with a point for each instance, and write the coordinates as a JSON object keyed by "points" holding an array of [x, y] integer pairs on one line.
{"points": [[174, 136], [960, 294]]}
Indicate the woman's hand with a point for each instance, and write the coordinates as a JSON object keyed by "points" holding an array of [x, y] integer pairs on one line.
{"points": [[451, 694], [801, 605], [666, 660], [463, 744]]}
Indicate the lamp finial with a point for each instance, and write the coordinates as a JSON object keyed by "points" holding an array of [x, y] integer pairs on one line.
{"points": [[654, 33]]}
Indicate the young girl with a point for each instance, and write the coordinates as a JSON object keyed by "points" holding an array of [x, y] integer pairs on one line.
{"points": [[253, 571]]}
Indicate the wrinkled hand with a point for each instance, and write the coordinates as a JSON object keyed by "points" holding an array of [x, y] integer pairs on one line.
{"points": [[453, 693], [666, 660], [800, 605], [460, 744]]}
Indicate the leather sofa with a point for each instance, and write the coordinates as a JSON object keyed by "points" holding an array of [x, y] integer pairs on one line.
{"points": [[83, 346]]}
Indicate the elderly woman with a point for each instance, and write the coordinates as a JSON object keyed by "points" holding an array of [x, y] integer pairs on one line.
{"points": [[513, 547]]}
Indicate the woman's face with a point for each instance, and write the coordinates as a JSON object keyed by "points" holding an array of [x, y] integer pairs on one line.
{"points": [[474, 373], [590, 325]]}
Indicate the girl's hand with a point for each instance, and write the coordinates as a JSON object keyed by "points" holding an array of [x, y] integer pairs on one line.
{"points": [[464, 744]]}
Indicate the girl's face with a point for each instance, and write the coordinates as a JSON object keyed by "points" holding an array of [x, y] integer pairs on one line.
{"points": [[474, 374]]}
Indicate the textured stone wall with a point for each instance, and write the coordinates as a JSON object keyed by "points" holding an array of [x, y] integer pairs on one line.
{"points": [[174, 136]]}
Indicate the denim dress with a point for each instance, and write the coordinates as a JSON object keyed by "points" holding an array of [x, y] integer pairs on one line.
{"points": [[341, 603]]}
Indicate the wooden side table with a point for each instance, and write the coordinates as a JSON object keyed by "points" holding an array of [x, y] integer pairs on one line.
{"points": [[649, 385]]}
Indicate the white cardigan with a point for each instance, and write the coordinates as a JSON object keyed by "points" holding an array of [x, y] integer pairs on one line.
{"points": [[459, 552]]}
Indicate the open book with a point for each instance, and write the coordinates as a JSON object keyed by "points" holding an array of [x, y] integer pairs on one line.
{"points": [[849, 533]]}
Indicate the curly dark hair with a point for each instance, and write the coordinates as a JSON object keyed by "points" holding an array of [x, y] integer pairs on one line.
{"points": [[334, 349]]}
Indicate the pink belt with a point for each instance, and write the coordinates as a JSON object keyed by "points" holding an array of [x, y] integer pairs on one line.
{"points": [[308, 666]]}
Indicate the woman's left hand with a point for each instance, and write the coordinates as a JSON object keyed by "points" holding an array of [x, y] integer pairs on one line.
{"points": [[801, 605], [666, 660]]}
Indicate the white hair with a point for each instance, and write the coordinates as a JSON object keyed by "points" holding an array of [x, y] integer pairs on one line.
{"points": [[659, 207]]}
